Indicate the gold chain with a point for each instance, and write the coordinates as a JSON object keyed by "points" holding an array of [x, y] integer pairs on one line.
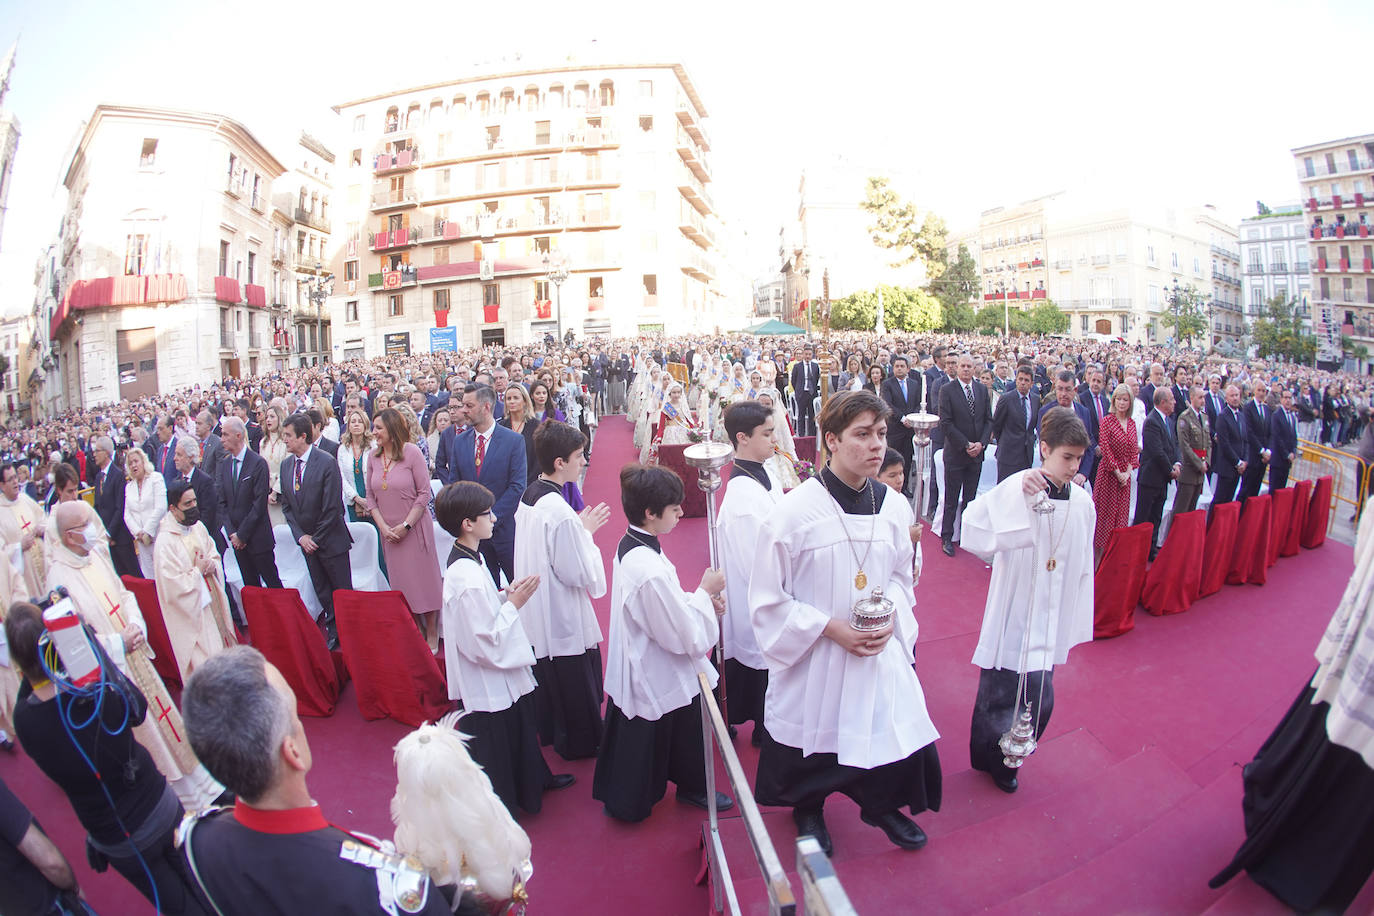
{"points": [[861, 578]]}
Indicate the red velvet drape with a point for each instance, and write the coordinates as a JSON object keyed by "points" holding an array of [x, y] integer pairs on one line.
{"points": [[1250, 556], [1221, 538], [1318, 514], [164, 662], [393, 670], [1302, 501], [1281, 519], [1117, 584], [806, 448], [693, 497], [284, 632], [1171, 585]]}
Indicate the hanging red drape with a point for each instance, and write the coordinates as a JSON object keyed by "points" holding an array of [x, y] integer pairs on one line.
{"points": [[1281, 519], [1221, 539], [285, 633], [1318, 514], [1302, 499], [393, 671], [1119, 578], [1250, 556], [1171, 585]]}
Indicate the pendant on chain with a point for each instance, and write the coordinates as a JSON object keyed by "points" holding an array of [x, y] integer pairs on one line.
{"points": [[1051, 564], [860, 580]]}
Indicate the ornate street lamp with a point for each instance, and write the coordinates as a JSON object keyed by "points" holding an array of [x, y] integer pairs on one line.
{"points": [[557, 271]]}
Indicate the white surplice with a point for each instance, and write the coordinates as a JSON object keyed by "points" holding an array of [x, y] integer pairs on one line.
{"points": [[20, 517], [195, 608], [1001, 528], [552, 543], [743, 512], [486, 651], [660, 637], [821, 699]]}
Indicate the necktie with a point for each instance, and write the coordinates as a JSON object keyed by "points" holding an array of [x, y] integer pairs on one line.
{"points": [[300, 468], [234, 477], [99, 484], [902, 382], [1025, 405], [480, 453], [968, 393], [1261, 412]]}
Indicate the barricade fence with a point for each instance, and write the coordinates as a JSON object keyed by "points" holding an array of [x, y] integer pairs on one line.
{"points": [[1349, 476]]}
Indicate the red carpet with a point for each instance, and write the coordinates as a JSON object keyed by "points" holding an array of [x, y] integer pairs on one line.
{"points": [[1130, 805]]}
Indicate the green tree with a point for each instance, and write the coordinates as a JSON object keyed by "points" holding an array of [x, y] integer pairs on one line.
{"points": [[1187, 315], [1356, 351], [900, 228], [1278, 332], [1045, 318], [904, 309], [958, 283], [991, 317]]}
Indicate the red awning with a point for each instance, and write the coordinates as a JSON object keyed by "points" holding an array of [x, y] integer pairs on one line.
{"points": [[103, 292], [227, 289], [257, 295]]}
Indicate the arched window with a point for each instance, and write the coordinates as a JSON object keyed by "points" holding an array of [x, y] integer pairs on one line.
{"points": [[507, 100], [393, 119], [579, 95], [459, 109], [436, 111], [554, 100], [607, 94], [483, 103], [324, 207], [303, 197], [413, 116], [531, 98]]}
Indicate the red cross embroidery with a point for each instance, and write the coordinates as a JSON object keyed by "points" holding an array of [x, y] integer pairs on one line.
{"points": [[163, 713], [25, 525], [114, 612]]}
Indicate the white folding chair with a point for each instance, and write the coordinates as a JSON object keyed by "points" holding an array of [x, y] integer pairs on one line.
{"points": [[362, 557], [233, 577], [443, 545], [435, 485], [292, 569]]}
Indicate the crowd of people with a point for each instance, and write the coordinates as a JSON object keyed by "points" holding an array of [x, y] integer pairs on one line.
{"points": [[491, 445]]}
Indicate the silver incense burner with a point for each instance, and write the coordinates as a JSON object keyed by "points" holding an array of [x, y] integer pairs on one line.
{"points": [[871, 613]]}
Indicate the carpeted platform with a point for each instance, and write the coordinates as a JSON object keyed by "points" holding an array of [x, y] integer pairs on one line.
{"points": [[1130, 805]]}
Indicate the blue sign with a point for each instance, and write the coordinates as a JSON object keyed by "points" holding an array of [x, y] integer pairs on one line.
{"points": [[443, 340]]}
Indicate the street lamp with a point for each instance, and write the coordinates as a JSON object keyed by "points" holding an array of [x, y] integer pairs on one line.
{"points": [[557, 271], [1173, 297], [320, 287]]}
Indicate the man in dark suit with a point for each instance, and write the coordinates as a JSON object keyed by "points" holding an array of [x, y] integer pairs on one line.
{"points": [[329, 446], [967, 427], [164, 460], [242, 482], [1182, 381], [943, 371], [312, 501], [243, 409], [1064, 396], [211, 451], [1160, 463], [207, 495], [806, 382], [1283, 442], [1257, 441], [1014, 422], [109, 505], [1230, 451], [902, 392], [493, 456]]}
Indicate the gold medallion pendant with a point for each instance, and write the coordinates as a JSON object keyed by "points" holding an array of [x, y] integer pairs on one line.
{"points": [[860, 580], [1051, 564]]}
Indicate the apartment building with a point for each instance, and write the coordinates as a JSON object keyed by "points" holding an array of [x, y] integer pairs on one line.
{"points": [[1336, 181], [164, 252], [301, 254], [502, 207], [1275, 261]]}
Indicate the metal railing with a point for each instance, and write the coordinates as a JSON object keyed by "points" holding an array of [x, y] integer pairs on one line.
{"points": [[1315, 461]]}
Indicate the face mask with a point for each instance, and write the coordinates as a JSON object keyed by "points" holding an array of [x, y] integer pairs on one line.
{"points": [[190, 516], [91, 535]]}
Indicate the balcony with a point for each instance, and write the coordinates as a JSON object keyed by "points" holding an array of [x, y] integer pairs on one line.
{"points": [[406, 160], [1319, 169], [688, 119], [226, 339], [1224, 252], [1254, 269], [259, 201], [696, 194], [694, 227], [691, 157], [1340, 231], [227, 290], [233, 185], [395, 238], [1064, 264], [698, 267], [592, 138], [1100, 259], [1221, 277], [403, 276], [280, 255], [309, 263], [650, 301], [312, 219], [394, 199]]}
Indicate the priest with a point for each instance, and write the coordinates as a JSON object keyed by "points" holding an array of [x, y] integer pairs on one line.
{"points": [[107, 607], [1036, 529], [844, 710], [555, 544], [21, 522], [11, 590], [190, 583]]}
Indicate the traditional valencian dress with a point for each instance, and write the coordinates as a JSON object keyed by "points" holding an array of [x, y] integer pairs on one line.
{"points": [[552, 543], [19, 517], [1039, 606], [195, 608]]}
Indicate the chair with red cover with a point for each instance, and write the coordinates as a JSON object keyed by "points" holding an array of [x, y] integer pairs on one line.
{"points": [[393, 670], [1250, 556], [285, 633], [1302, 500], [164, 662], [1318, 514], [693, 497], [1221, 539], [806, 448], [1281, 519], [1171, 585], [1119, 577]]}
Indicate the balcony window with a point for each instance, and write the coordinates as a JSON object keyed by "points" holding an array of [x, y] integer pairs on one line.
{"points": [[359, 123], [149, 155], [1309, 167], [441, 254], [554, 98], [607, 93], [542, 133], [395, 307], [135, 254], [223, 259], [351, 310], [1330, 163], [441, 300], [350, 270], [491, 294]]}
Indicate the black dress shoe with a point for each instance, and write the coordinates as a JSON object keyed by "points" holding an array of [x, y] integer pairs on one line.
{"points": [[560, 781], [698, 800], [1007, 784], [812, 823], [947, 545], [900, 829]]}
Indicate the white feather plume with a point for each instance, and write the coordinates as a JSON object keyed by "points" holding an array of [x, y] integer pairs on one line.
{"points": [[446, 813]]}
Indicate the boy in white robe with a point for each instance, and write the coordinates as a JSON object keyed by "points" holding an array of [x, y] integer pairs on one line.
{"points": [[488, 656], [845, 711], [554, 544], [661, 637], [1036, 529], [753, 493]]}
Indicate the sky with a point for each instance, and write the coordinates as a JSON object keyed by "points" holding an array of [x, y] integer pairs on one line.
{"points": [[967, 105]]}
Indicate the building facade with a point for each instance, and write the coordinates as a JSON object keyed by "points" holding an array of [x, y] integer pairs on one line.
{"points": [[9, 135], [507, 206], [164, 252], [1336, 181], [301, 254], [1275, 261]]}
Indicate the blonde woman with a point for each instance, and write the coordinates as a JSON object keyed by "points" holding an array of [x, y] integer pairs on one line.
{"points": [[331, 425], [273, 448], [145, 502], [353, 459]]}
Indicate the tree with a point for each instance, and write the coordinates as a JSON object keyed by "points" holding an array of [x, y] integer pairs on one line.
{"points": [[895, 227], [1356, 351], [1045, 318], [991, 317], [1261, 209], [904, 309], [1187, 315], [1278, 332], [958, 283]]}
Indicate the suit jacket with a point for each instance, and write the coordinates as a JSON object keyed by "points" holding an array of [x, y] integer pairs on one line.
{"points": [[1256, 430], [207, 498], [1230, 447], [940, 379], [813, 382], [328, 445], [316, 508], [1088, 417], [912, 403], [444, 455], [503, 469], [255, 434], [109, 503], [163, 460], [1158, 454], [242, 507], [211, 451], [1015, 441], [1194, 435], [1147, 394], [1093, 423], [962, 427], [1283, 436], [1215, 404]]}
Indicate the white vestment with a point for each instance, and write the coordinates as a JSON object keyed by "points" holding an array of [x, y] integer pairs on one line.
{"points": [[551, 542], [195, 609], [743, 512], [1002, 529], [486, 651], [11, 590], [821, 699], [20, 517]]}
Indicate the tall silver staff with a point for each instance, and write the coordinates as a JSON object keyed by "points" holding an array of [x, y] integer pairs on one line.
{"points": [[708, 458], [921, 425]]}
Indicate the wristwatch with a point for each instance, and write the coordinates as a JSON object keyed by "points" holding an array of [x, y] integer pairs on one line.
{"points": [[408, 526]]}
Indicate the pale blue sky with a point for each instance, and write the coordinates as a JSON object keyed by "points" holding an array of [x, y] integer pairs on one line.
{"points": [[972, 105]]}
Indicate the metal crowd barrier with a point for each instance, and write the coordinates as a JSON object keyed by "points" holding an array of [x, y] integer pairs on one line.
{"points": [[1349, 476]]}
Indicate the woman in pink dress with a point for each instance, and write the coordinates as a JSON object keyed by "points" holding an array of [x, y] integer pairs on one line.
{"points": [[398, 496], [1120, 453]]}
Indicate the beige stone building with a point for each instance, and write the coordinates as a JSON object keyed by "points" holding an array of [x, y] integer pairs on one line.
{"points": [[164, 254], [460, 201], [302, 254]]}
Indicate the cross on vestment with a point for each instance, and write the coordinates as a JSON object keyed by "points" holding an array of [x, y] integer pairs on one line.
{"points": [[164, 713], [114, 612]]}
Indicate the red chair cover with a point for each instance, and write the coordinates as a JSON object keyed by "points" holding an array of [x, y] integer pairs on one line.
{"points": [[284, 632], [1250, 556], [693, 497], [1117, 584], [1171, 584], [1302, 500], [1281, 511], [1318, 514], [164, 662], [393, 670], [806, 448], [1221, 538]]}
